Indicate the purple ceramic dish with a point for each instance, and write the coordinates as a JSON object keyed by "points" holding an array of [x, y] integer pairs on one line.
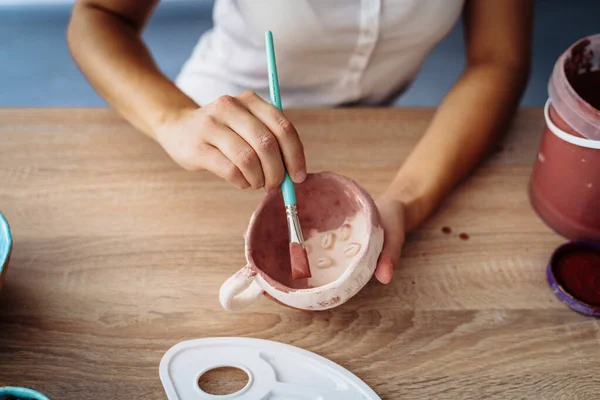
{"points": [[561, 292]]}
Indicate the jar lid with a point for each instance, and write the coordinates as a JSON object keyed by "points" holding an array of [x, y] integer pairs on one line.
{"points": [[574, 276]]}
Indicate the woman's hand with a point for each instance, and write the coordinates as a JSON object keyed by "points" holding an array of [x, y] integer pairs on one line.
{"points": [[392, 213], [498, 43], [242, 139]]}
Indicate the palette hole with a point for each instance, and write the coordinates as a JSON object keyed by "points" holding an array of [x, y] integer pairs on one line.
{"points": [[223, 381]]}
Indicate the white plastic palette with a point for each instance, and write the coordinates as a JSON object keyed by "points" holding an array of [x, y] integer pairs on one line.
{"points": [[276, 371]]}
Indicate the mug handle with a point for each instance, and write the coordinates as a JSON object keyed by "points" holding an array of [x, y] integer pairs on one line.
{"points": [[240, 290]]}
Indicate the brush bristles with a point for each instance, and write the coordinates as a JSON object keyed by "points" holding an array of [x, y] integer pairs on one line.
{"points": [[299, 262]]}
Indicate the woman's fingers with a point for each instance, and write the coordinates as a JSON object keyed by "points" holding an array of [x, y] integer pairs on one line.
{"points": [[392, 218], [238, 151], [250, 128], [242, 139], [385, 266], [217, 163], [286, 135]]}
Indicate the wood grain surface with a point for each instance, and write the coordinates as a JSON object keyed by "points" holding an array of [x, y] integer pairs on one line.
{"points": [[119, 254]]}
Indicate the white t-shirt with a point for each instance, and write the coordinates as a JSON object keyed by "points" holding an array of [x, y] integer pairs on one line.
{"points": [[329, 52]]}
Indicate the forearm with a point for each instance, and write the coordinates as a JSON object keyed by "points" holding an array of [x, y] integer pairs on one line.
{"points": [[466, 124], [111, 54]]}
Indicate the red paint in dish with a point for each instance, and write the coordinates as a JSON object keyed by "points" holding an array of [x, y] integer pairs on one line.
{"points": [[578, 272]]}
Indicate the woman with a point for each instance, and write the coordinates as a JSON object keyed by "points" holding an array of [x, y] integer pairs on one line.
{"points": [[215, 118]]}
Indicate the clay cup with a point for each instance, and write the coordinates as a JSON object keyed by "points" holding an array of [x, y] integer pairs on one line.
{"points": [[325, 201]]}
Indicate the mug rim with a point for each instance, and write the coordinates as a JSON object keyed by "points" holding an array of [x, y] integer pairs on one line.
{"points": [[367, 205]]}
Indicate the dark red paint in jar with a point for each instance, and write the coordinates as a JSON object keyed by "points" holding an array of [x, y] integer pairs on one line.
{"points": [[565, 183], [574, 275]]}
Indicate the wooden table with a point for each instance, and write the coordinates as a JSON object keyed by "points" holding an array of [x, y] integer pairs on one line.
{"points": [[119, 254]]}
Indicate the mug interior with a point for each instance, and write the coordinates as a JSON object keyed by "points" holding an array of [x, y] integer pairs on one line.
{"points": [[325, 201]]}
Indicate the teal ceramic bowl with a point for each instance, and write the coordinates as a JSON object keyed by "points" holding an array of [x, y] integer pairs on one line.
{"points": [[5, 250], [5, 247], [22, 393]]}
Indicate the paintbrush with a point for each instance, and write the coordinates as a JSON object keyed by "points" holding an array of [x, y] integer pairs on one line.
{"points": [[298, 256]]}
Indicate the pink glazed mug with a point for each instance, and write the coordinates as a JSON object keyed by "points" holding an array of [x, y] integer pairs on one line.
{"points": [[325, 202]]}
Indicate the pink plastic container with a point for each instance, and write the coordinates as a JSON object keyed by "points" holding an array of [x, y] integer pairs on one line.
{"points": [[565, 184]]}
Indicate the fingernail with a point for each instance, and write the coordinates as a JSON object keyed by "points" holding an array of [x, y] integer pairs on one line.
{"points": [[300, 176], [384, 276]]}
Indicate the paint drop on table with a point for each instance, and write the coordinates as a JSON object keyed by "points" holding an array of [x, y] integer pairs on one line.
{"points": [[446, 230], [464, 236]]}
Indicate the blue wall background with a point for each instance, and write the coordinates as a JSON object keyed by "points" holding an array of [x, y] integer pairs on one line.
{"points": [[36, 68]]}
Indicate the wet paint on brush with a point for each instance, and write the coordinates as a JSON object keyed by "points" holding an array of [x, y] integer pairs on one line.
{"points": [[299, 262]]}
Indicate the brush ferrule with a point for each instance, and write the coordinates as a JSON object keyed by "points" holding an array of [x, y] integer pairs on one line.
{"points": [[294, 230]]}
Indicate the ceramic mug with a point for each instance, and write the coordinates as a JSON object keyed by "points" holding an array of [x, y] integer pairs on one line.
{"points": [[325, 202]]}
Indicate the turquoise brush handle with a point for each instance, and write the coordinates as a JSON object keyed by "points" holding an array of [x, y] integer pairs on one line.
{"points": [[287, 187]]}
